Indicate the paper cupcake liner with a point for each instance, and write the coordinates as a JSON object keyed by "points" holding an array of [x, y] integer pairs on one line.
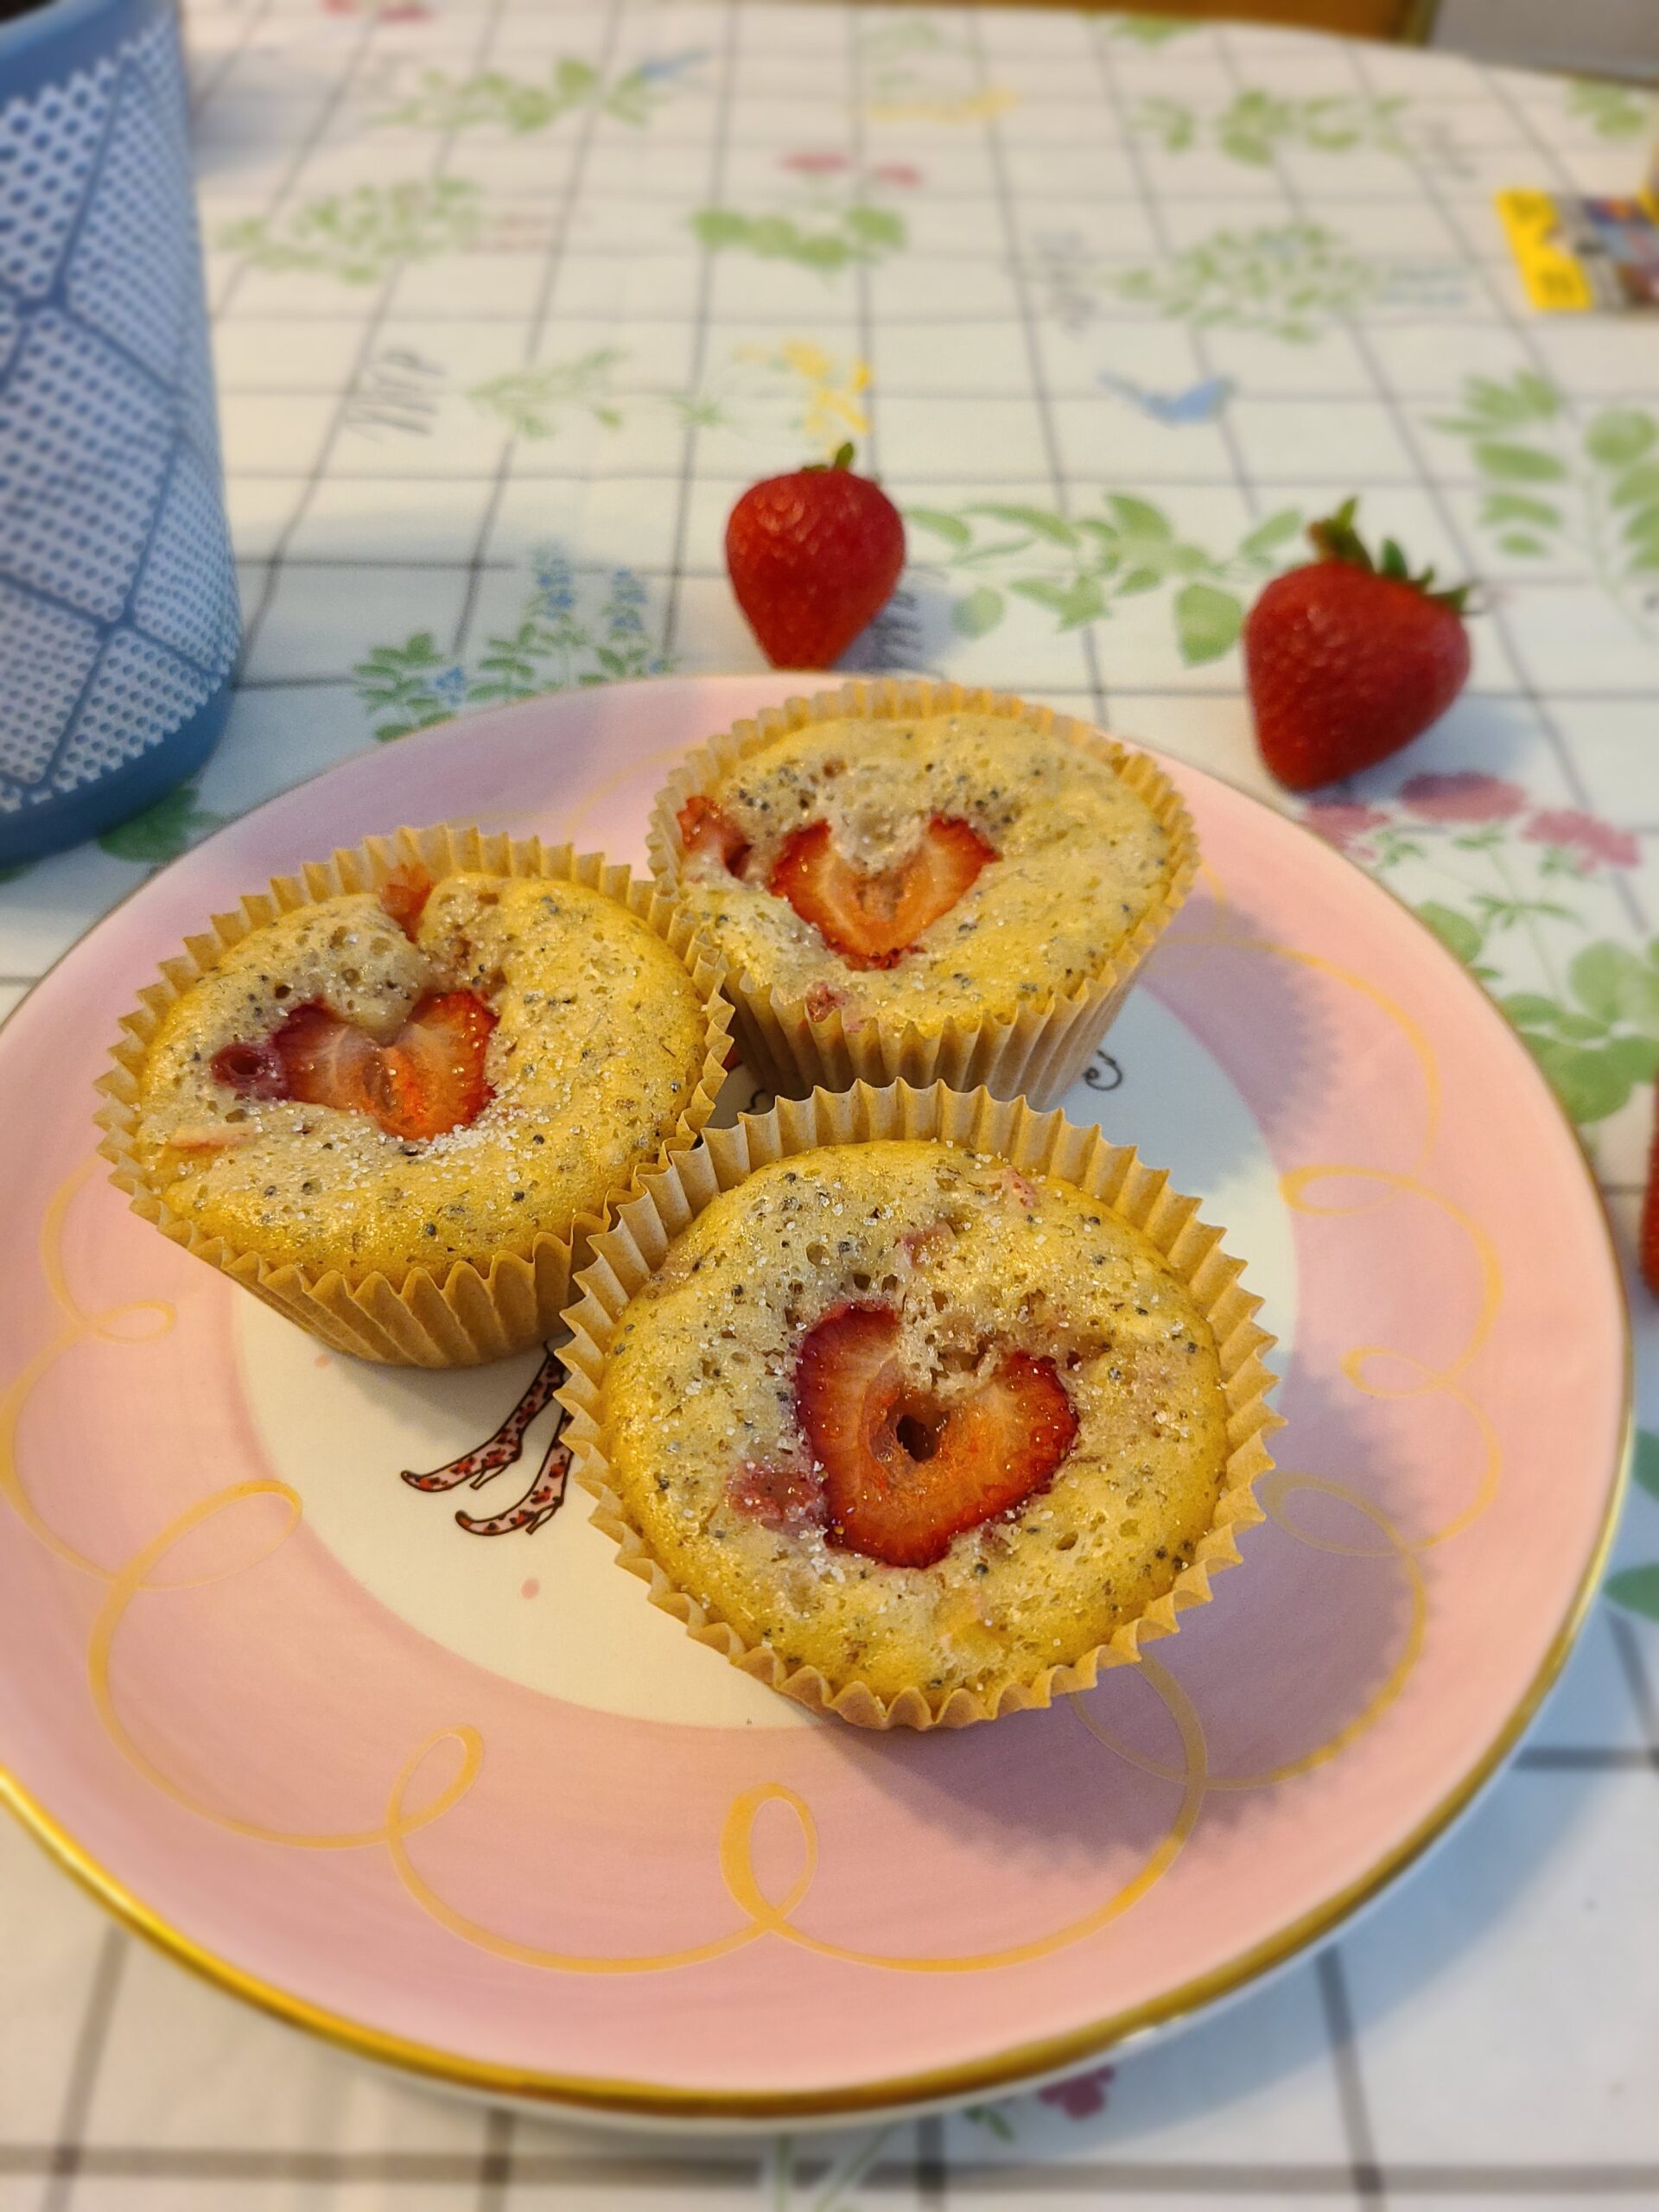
{"points": [[1039, 1052], [466, 1315], [627, 1255]]}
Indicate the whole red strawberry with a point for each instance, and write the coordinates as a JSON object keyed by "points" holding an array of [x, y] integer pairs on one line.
{"points": [[1348, 658], [813, 557]]}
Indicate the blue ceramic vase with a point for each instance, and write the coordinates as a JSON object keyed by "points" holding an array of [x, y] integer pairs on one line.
{"points": [[118, 615]]}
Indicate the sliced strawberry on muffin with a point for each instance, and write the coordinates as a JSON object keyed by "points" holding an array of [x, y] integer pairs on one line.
{"points": [[872, 918], [905, 1471], [429, 1079]]}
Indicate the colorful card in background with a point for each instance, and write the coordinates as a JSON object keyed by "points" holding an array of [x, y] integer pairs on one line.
{"points": [[1579, 254]]}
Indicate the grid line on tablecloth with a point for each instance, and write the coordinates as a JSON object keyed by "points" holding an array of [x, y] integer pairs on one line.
{"points": [[900, 390], [539, 313], [1351, 2102], [1633, 1666], [495, 2170], [386, 291], [870, 461], [91, 2041], [929, 320], [624, 472], [201, 100], [309, 141], [1077, 2177], [728, 52], [1152, 208], [931, 2174], [1587, 1758], [1013, 246]]}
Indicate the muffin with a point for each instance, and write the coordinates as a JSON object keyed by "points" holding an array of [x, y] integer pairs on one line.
{"points": [[920, 1409], [913, 880], [396, 1098]]}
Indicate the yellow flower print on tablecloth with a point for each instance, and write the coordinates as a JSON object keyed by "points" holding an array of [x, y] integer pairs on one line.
{"points": [[829, 387]]}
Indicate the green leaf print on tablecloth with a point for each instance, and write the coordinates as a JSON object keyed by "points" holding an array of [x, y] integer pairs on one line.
{"points": [[1637, 1588], [161, 832], [1288, 279], [554, 646], [1078, 567], [1555, 485], [831, 214], [362, 235], [531, 401], [1612, 110], [523, 105], [1520, 894], [1144, 30], [1256, 125]]}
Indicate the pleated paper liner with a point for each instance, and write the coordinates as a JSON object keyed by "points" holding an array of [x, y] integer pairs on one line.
{"points": [[466, 1315], [1035, 1051], [627, 1255]]}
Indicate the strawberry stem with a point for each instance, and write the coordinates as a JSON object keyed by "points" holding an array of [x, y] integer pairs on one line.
{"points": [[1334, 537], [842, 458]]}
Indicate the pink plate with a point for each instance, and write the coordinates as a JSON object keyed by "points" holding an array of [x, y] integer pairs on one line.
{"points": [[443, 1785]]}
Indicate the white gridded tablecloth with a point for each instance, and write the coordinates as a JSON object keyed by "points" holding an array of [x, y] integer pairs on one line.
{"points": [[511, 298]]}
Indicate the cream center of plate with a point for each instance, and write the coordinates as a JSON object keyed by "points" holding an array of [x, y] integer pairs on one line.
{"points": [[550, 1609]]}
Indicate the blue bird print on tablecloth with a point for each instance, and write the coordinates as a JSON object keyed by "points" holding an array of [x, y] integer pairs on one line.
{"points": [[1201, 402]]}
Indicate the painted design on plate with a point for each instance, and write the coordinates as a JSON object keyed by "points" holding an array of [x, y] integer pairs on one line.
{"points": [[503, 1449]]}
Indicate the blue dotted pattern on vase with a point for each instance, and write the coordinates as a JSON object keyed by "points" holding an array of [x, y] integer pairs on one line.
{"points": [[118, 615]]}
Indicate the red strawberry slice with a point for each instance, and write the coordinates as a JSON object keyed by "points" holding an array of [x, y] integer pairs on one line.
{"points": [[428, 1079], [902, 1475], [404, 893], [705, 830], [1649, 1251], [434, 1067], [871, 921]]}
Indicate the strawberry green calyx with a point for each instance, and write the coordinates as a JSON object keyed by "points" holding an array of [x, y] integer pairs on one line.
{"points": [[842, 459], [1335, 538]]}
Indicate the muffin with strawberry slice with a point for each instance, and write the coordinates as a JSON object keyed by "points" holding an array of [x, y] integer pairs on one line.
{"points": [[910, 1431], [397, 1098], [913, 880]]}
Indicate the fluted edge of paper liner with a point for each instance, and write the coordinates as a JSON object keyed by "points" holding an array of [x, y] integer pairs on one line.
{"points": [[628, 1254], [1037, 1052], [468, 1314]]}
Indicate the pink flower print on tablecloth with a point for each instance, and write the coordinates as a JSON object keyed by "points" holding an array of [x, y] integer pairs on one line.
{"points": [[1082, 2097], [905, 174], [824, 163], [1585, 836], [1465, 795], [1343, 824]]}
